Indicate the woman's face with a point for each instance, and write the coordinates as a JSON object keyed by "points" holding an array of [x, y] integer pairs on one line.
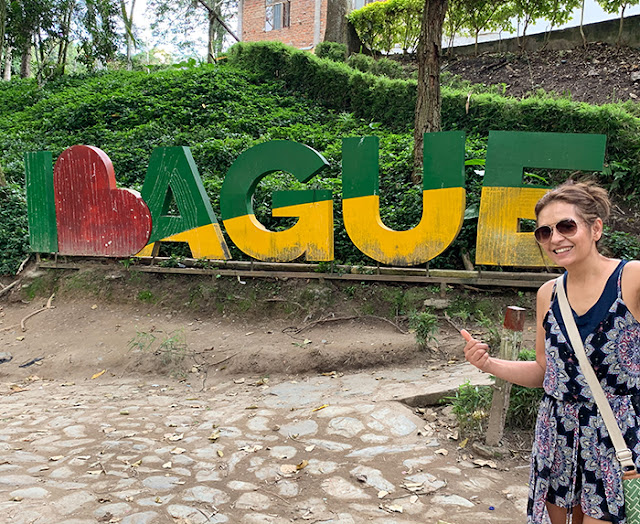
{"points": [[565, 250]]}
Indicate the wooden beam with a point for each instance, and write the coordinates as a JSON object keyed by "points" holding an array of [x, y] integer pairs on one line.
{"points": [[245, 269]]}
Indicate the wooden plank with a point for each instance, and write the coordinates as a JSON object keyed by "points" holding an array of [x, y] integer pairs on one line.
{"points": [[510, 343], [522, 282]]}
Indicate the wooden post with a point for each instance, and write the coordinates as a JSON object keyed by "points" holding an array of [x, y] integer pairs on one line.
{"points": [[510, 343]]}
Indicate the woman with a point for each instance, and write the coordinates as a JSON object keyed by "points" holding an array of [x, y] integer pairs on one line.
{"points": [[574, 472]]}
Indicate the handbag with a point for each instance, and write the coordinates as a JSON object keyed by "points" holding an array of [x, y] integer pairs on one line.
{"points": [[630, 476]]}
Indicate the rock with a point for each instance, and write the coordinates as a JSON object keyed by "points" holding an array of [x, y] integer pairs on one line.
{"points": [[5, 357], [490, 451], [635, 76]]}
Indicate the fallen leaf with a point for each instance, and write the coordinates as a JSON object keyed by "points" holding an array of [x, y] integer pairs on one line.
{"points": [[214, 436], [56, 458], [396, 508], [167, 465], [382, 494], [482, 462], [174, 437], [220, 453], [302, 465], [309, 449], [441, 451], [320, 407], [178, 451]]}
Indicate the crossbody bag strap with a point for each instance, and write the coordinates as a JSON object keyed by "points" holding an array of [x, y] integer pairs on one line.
{"points": [[623, 454]]}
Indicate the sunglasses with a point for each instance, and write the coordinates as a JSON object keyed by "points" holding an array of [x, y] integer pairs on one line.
{"points": [[567, 228]]}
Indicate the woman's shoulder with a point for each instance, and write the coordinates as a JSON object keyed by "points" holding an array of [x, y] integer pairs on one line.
{"points": [[631, 284], [545, 292]]}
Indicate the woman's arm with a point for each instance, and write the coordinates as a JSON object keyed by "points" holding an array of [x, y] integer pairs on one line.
{"points": [[631, 287], [529, 374]]}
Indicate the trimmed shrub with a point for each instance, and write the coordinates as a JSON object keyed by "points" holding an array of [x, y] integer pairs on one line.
{"points": [[14, 233], [334, 51]]}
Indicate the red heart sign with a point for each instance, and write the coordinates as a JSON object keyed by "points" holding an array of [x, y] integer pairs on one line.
{"points": [[93, 216]]}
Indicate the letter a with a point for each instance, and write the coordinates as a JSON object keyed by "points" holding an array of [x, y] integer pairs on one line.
{"points": [[173, 176]]}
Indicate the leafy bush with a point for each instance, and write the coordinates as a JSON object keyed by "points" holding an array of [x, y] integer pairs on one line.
{"points": [[619, 244], [471, 404], [14, 234], [381, 26], [425, 326], [334, 51], [392, 103]]}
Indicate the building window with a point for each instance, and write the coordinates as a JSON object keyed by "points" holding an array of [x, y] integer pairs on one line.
{"points": [[278, 15]]}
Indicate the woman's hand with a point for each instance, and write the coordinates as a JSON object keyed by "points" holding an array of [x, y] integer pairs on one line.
{"points": [[475, 351]]}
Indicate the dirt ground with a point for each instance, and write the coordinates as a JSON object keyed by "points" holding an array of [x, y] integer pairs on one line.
{"points": [[597, 74], [123, 322]]}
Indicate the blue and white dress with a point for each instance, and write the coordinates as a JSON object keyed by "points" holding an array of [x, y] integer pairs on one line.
{"points": [[573, 460]]}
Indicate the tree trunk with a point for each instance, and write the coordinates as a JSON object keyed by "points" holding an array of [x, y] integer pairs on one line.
{"points": [[63, 46], [428, 100], [339, 29], [584, 38], [3, 28], [7, 64], [212, 37], [25, 62], [619, 39]]}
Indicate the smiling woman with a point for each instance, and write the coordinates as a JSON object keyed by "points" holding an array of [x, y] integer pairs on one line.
{"points": [[574, 469]]}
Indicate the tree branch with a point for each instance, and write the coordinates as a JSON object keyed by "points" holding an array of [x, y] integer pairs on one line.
{"points": [[217, 17]]}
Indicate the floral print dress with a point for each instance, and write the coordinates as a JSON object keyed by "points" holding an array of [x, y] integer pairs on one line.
{"points": [[573, 460]]}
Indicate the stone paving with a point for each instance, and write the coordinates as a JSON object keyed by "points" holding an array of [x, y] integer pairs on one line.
{"points": [[328, 448]]}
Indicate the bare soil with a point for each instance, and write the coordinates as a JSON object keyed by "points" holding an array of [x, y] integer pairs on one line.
{"points": [[597, 74], [187, 326]]}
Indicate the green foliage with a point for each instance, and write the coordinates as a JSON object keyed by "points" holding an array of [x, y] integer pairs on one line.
{"points": [[524, 402], [381, 66], [332, 84], [425, 326], [170, 350], [268, 91], [334, 51], [14, 234], [471, 405], [146, 295], [383, 25], [620, 244]]}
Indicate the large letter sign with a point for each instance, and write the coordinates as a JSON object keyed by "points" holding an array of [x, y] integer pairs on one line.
{"points": [[41, 205], [311, 236], [505, 200], [75, 207], [172, 177], [443, 200], [93, 217]]}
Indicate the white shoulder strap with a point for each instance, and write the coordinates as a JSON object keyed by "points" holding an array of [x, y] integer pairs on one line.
{"points": [[623, 453]]}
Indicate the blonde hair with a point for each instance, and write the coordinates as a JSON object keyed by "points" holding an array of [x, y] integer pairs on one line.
{"points": [[591, 200]]}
